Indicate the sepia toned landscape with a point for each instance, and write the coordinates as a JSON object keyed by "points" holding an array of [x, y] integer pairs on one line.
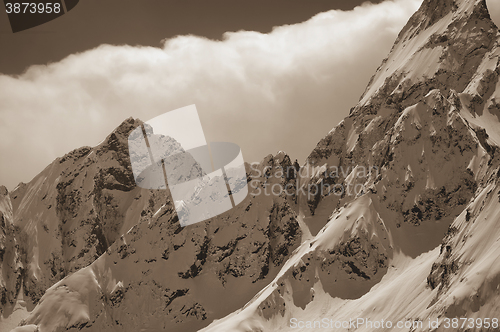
{"points": [[393, 217]]}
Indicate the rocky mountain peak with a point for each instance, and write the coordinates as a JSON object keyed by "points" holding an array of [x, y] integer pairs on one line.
{"points": [[441, 39], [118, 139], [431, 11], [3, 191]]}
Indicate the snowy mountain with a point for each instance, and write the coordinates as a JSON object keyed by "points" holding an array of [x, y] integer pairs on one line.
{"points": [[393, 217], [420, 241], [84, 217], [10, 260]]}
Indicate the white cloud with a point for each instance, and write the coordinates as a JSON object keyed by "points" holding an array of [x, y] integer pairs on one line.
{"points": [[266, 92]]}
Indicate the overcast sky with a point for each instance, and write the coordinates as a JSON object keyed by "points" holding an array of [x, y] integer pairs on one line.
{"points": [[272, 89]]}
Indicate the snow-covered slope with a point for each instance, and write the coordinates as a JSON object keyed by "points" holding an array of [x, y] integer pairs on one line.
{"points": [[72, 211]]}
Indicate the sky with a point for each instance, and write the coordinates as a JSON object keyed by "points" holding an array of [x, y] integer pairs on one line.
{"points": [[147, 22], [266, 77]]}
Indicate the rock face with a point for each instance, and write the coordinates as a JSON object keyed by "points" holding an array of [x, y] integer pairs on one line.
{"points": [[70, 213], [83, 220], [393, 216], [160, 276]]}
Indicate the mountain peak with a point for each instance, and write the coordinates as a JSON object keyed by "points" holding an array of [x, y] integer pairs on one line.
{"points": [[125, 128], [433, 10], [442, 38]]}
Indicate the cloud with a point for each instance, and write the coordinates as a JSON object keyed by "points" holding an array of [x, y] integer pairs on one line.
{"points": [[266, 92], [494, 9]]}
